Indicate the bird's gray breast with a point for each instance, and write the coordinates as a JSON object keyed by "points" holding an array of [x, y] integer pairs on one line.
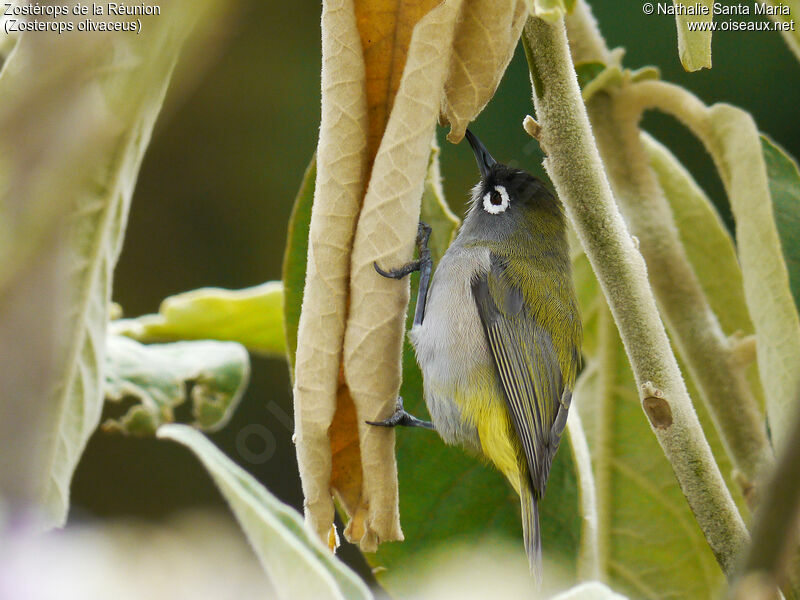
{"points": [[450, 343]]}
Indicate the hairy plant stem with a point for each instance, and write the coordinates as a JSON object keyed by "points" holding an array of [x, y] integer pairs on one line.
{"points": [[574, 165], [589, 552], [586, 44]]}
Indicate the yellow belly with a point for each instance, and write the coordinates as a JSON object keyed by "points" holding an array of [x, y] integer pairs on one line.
{"points": [[497, 435]]}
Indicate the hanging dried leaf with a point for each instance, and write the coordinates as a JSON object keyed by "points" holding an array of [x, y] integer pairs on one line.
{"points": [[386, 231], [385, 27], [385, 66], [485, 39], [340, 182]]}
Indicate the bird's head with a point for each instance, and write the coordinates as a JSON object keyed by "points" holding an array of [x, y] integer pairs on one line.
{"points": [[508, 201]]}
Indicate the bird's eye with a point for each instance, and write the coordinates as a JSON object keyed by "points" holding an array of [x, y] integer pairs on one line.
{"points": [[496, 201]]}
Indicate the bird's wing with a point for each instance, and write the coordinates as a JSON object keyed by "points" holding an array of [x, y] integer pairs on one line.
{"points": [[527, 365]]}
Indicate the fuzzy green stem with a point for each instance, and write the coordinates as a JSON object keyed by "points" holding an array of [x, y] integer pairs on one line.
{"points": [[574, 165], [586, 44], [673, 100], [589, 553]]}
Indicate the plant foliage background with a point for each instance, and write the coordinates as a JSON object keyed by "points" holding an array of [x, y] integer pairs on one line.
{"points": [[218, 183]]}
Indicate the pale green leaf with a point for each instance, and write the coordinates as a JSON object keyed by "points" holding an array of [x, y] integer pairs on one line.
{"points": [[157, 376], [708, 244], [650, 545], [549, 10], [72, 140], [784, 187], [694, 47], [789, 29], [299, 566], [591, 590], [251, 316], [588, 72], [595, 76], [734, 142]]}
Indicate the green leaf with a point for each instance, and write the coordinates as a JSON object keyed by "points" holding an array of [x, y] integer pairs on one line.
{"points": [[593, 590], [72, 140], [597, 76], [694, 47], [708, 244], [649, 543], [296, 561], [784, 187], [789, 31], [588, 71], [550, 10], [251, 316], [157, 376], [734, 142], [294, 259]]}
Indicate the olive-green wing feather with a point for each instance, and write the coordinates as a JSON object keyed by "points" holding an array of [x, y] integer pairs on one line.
{"points": [[527, 366]]}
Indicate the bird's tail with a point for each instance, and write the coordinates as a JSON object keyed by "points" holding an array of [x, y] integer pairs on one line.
{"points": [[530, 531]]}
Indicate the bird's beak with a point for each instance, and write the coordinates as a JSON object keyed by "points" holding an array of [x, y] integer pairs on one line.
{"points": [[485, 160]]}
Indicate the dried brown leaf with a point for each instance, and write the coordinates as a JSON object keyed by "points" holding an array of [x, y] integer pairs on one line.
{"points": [[385, 27], [346, 476], [486, 36], [385, 65], [341, 178], [386, 230]]}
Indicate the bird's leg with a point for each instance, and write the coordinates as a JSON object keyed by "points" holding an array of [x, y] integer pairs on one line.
{"points": [[424, 264], [402, 418]]}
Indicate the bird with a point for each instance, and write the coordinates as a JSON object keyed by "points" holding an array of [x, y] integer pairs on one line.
{"points": [[497, 333]]}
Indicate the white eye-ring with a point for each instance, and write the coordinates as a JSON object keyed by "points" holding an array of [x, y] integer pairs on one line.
{"points": [[490, 200]]}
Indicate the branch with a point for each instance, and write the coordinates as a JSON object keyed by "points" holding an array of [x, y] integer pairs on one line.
{"points": [[575, 167]]}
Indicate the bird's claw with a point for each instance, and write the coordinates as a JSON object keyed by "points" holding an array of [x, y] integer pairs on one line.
{"points": [[401, 418]]}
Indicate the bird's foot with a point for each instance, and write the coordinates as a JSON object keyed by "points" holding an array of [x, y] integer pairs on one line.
{"points": [[423, 235], [399, 272], [402, 418]]}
